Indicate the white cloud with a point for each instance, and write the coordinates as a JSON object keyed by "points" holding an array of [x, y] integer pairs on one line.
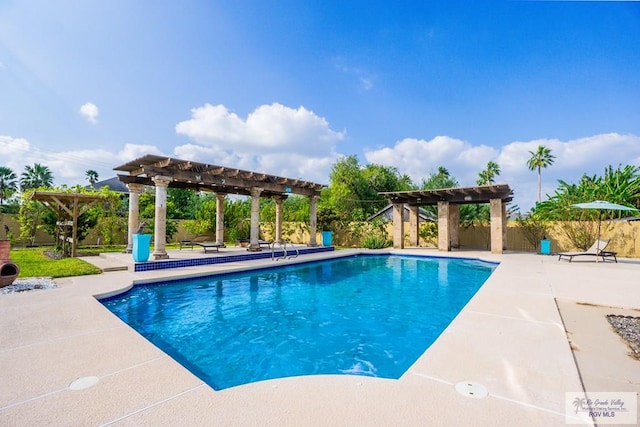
{"points": [[298, 144], [67, 167], [366, 79], [90, 112], [133, 151], [367, 83], [2, 66], [419, 158], [272, 139]]}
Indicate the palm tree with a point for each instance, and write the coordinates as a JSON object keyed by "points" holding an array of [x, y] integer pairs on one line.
{"points": [[8, 183], [541, 158], [486, 177], [92, 176], [36, 176], [441, 179]]}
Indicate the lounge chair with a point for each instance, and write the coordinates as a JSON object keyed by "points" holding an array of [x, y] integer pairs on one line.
{"points": [[209, 246], [596, 250], [196, 240], [247, 242]]}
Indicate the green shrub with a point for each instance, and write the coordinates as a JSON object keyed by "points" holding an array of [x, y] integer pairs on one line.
{"points": [[375, 241], [428, 232], [533, 229]]}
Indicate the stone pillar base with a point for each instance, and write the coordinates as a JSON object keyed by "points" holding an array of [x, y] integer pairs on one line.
{"points": [[254, 248], [160, 255]]}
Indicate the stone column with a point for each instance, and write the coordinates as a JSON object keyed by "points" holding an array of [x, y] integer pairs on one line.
{"points": [[134, 199], [398, 225], [278, 232], [160, 220], [444, 229], [414, 226], [497, 225], [254, 246], [504, 226], [220, 217], [313, 220], [454, 225]]}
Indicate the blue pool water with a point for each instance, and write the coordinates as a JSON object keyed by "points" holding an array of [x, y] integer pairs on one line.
{"points": [[364, 315]]}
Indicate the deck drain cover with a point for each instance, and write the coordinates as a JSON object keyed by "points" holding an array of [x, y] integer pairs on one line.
{"points": [[470, 389], [84, 382]]}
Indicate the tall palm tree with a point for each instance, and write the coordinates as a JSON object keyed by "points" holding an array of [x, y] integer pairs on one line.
{"points": [[541, 158], [487, 176], [92, 176], [36, 176], [440, 179], [8, 183]]}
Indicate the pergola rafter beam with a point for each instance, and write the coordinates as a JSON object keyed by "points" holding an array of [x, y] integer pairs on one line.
{"points": [[461, 196], [205, 177]]}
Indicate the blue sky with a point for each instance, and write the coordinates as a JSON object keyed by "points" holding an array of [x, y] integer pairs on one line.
{"points": [[287, 87]]}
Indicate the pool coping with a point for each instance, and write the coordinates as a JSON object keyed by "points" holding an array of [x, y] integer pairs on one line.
{"points": [[509, 338]]}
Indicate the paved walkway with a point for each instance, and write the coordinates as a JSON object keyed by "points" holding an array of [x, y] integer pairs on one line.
{"points": [[510, 339]]}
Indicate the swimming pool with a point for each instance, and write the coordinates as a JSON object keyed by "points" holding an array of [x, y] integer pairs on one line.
{"points": [[364, 315]]}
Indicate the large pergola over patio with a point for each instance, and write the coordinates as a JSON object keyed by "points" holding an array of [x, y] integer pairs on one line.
{"points": [[448, 201], [163, 172]]}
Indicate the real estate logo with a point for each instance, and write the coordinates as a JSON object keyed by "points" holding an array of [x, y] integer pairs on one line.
{"points": [[601, 408]]}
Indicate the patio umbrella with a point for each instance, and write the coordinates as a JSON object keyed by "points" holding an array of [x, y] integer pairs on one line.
{"points": [[602, 206]]}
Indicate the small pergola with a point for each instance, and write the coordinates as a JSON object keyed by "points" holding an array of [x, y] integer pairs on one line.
{"points": [[163, 172], [73, 204], [448, 201]]}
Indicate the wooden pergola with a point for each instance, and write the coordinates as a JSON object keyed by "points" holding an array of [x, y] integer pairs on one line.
{"points": [[206, 177], [448, 201], [73, 204], [163, 172]]}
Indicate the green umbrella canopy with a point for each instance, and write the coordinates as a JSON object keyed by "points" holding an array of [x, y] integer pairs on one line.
{"points": [[602, 205]]}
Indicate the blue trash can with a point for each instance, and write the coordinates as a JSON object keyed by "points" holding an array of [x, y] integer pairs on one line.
{"points": [[545, 247]]}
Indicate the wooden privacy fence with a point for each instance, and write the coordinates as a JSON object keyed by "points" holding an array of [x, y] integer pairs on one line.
{"points": [[624, 237]]}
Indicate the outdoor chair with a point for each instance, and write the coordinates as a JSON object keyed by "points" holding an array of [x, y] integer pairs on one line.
{"points": [[196, 240], [209, 246], [247, 242], [596, 250]]}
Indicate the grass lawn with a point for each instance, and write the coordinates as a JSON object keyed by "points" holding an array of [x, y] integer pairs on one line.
{"points": [[34, 263]]}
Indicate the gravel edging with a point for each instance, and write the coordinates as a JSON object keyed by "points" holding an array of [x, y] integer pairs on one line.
{"points": [[628, 327], [28, 285]]}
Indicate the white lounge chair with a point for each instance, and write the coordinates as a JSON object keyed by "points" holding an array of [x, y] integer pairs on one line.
{"points": [[596, 250]]}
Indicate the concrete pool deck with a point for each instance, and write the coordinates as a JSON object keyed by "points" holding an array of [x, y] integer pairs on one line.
{"points": [[510, 339]]}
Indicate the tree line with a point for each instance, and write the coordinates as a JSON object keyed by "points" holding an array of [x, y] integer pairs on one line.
{"points": [[35, 176], [352, 195]]}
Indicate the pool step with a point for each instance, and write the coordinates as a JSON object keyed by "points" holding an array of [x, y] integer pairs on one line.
{"points": [[106, 264]]}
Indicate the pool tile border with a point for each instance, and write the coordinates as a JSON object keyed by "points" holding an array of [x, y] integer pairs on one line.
{"points": [[195, 262]]}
